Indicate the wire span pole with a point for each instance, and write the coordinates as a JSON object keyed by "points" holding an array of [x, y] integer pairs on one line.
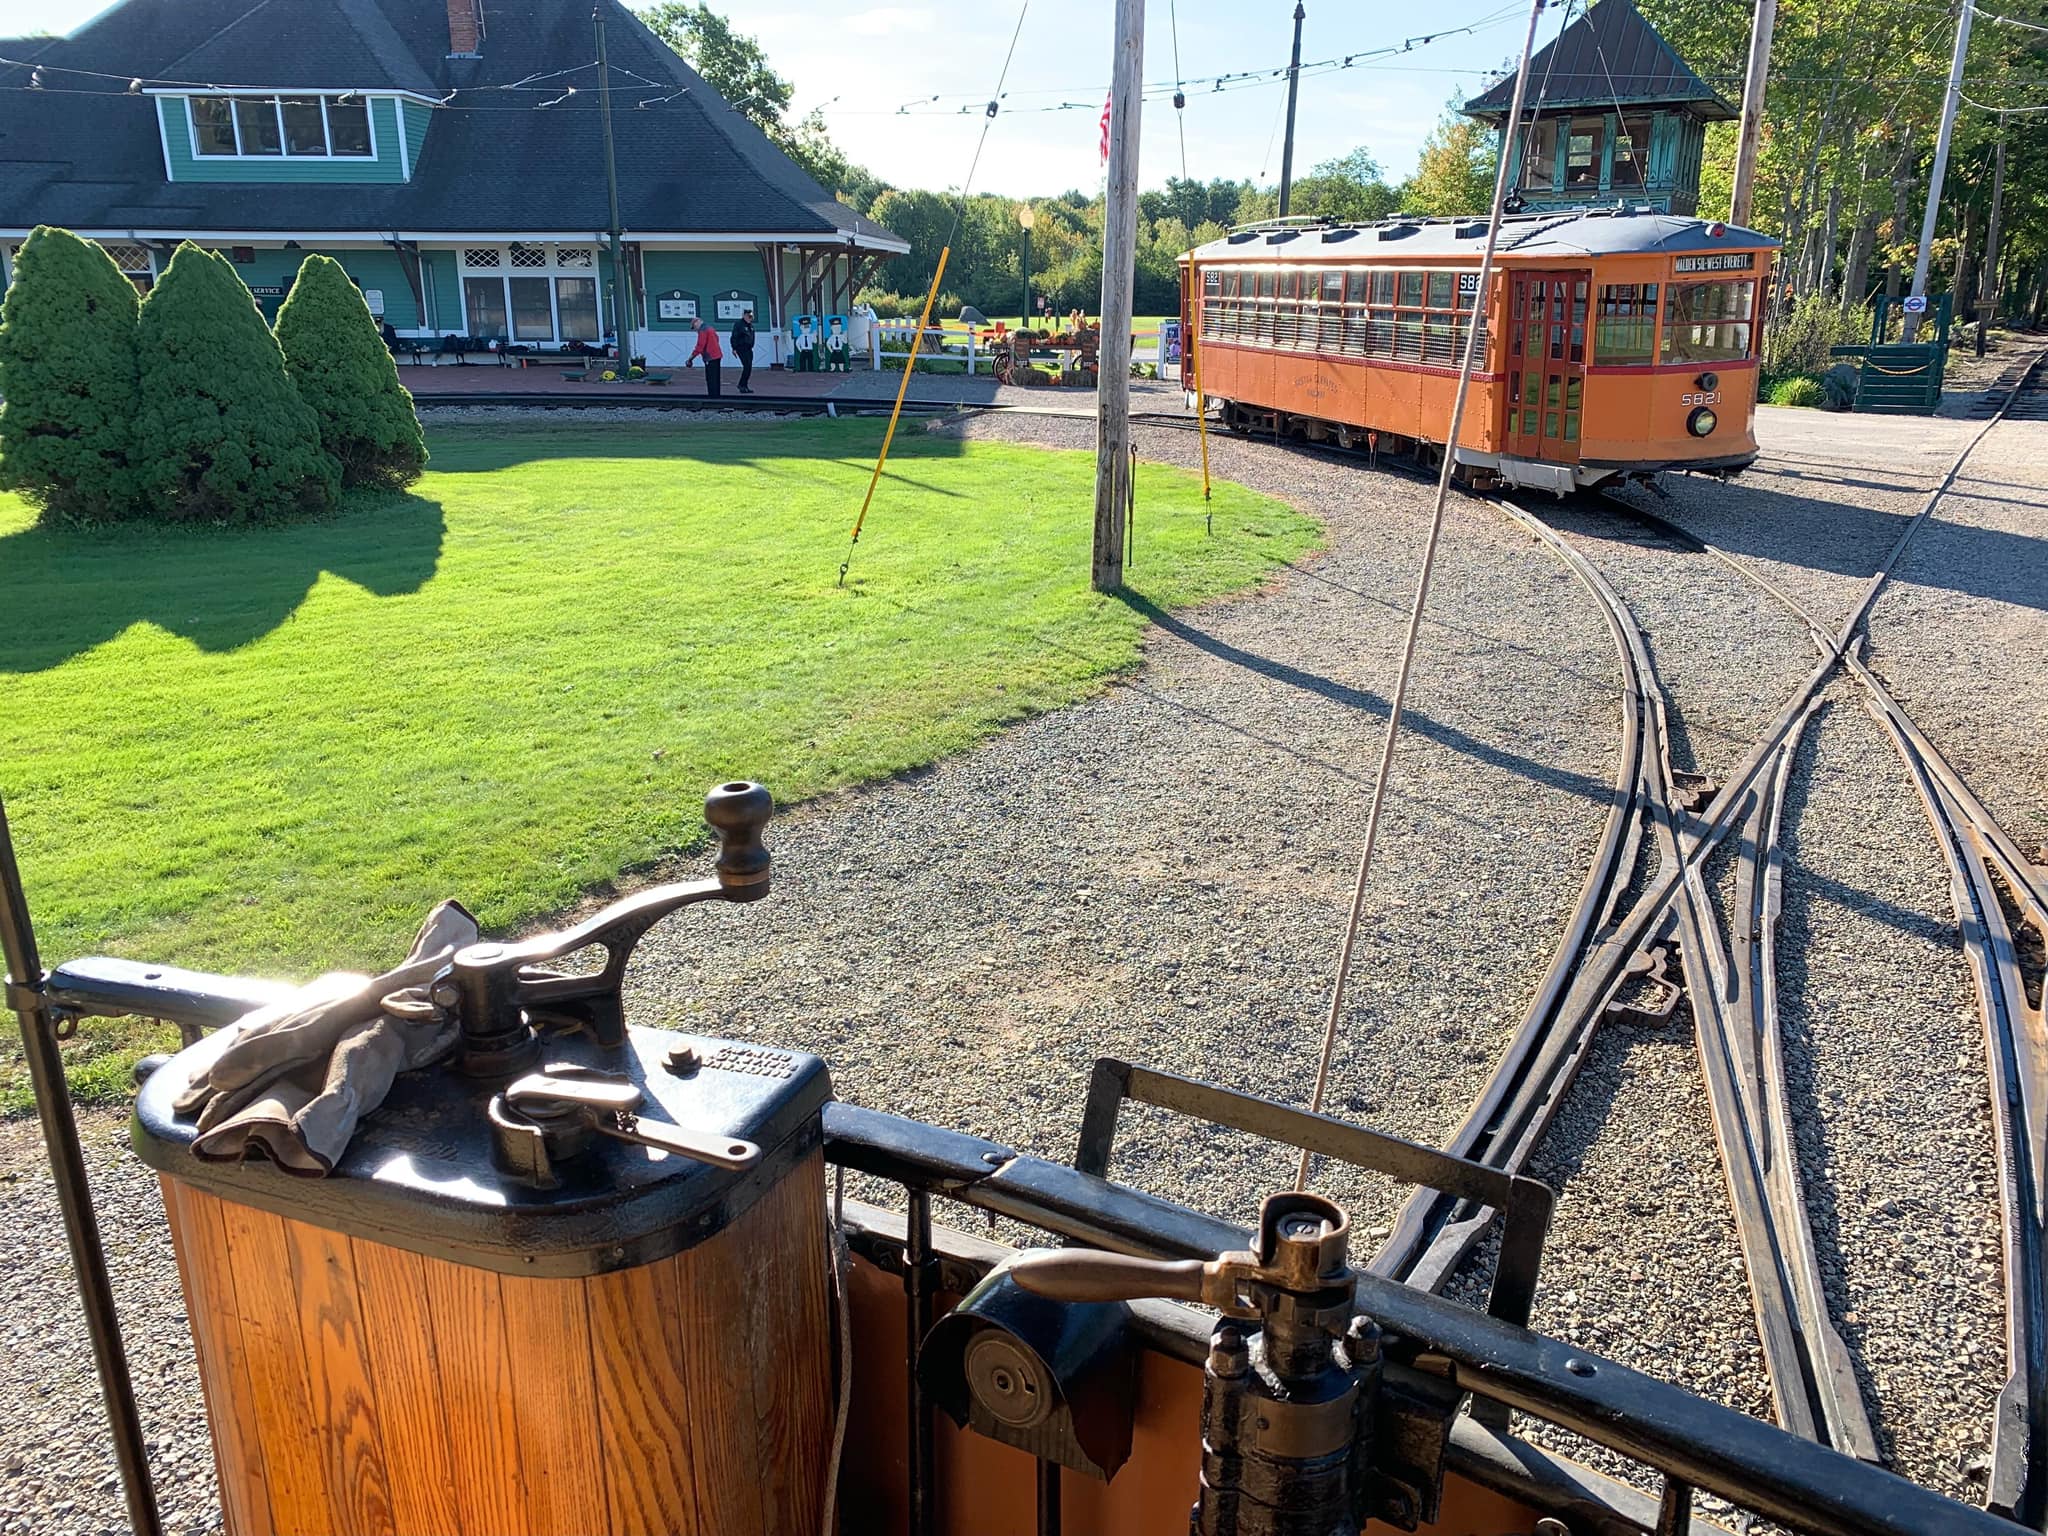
{"points": [[620, 315], [1119, 252], [1293, 86], [1940, 170], [1751, 136], [1987, 283]]}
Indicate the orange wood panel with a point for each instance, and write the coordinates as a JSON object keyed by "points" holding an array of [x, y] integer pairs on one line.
{"points": [[359, 1390], [795, 1418], [707, 1290], [554, 1402], [637, 1343], [197, 1238], [323, 1274], [267, 1314], [466, 1312], [408, 1376]]}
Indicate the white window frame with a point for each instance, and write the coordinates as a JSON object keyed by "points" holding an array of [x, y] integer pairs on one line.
{"points": [[276, 100], [550, 270]]}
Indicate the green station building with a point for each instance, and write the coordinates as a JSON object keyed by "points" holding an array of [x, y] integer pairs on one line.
{"points": [[448, 153], [1613, 115]]}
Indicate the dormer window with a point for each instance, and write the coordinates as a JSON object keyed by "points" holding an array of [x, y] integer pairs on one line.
{"points": [[316, 127]]}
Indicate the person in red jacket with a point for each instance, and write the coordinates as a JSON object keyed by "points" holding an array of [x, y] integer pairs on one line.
{"points": [[712, 353]]}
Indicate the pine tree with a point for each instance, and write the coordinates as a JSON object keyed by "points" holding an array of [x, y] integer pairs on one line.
{"points": [[222, 435], [67, 371], [343, 370]]}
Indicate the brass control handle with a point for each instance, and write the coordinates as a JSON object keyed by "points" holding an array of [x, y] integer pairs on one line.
{"points": [[1076, 1274], [497, 988]]}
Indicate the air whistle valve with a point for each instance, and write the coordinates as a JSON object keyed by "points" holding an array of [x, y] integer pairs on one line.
{"points": [[504, 993], [1302, 1432]]}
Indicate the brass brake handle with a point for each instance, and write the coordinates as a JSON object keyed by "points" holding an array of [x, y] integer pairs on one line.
{"points": [[610, 1105], [1076, 1274]]}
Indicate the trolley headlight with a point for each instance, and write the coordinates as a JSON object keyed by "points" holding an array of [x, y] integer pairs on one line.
{"points": [[1701, 421]]}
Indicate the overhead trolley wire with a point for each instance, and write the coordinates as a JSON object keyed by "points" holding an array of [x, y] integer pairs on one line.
{"points": [[932, 294]]}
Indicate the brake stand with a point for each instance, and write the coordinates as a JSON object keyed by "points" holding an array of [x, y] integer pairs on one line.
{"points": [[1300, 1434]]}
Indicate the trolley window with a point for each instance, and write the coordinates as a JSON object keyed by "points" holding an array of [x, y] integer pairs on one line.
{"points": [[1382, 288], [1411, 289], [1707, 322], [1632, 153], [1627, 329], [1441, 290], [1539, 158], [1582, 152]]}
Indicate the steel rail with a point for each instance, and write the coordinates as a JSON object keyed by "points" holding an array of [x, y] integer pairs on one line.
{"points": [[1813, 1382], [1433, 1231], [1973, 846]]}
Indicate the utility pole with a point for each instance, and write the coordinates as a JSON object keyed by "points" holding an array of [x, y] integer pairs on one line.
{"points": [[621, 327], [1934, 176], [1987, 286], [1293, 85], [1752, 130], [1119, 252]]}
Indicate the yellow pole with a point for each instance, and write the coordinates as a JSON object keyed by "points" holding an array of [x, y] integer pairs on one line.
{"points": [[909, 366]]}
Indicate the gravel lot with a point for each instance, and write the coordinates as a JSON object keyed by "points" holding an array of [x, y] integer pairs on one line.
{"points": [[1958, 634], [1160, 874]]}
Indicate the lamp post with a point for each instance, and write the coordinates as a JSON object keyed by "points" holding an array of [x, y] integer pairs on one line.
{"points": [[1027, 218]]}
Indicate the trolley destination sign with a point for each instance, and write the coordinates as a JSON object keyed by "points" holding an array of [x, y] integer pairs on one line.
{"points": [[1720, 261]]}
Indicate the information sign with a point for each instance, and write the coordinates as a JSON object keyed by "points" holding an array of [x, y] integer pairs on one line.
{"points": [[1915, 304], [1720, 261]]}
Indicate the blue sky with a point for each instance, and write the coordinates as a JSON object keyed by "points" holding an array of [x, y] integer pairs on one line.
{"points": [[863, 62]]}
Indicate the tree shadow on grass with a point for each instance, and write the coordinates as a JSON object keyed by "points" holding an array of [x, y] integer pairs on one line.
{"points": [[65, 590]]}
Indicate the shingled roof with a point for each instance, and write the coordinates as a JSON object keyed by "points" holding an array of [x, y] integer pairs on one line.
{"points": [[84, 152], [1609, 54]]}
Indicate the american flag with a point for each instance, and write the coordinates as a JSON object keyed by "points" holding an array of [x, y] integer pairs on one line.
{"points": [[1105, 128]]}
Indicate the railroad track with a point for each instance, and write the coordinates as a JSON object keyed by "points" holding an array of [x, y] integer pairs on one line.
{"points": [[2019, 394], [654, 402], [1995, 891]]}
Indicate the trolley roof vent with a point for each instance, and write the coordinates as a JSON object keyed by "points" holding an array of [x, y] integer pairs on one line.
{"points": [[1238, 237], [1400, 231], [1282, 236], [1332, 236], [1468, 231]]}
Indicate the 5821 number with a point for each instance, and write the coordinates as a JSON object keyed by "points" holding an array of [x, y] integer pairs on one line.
{"points": [[1701, 397]]}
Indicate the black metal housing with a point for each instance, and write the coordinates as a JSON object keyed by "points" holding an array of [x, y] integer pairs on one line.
{"points": [[421, 1173]]}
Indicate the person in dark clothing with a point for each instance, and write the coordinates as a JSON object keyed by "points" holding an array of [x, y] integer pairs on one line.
{"points": [[712, 353], [743, 349]]}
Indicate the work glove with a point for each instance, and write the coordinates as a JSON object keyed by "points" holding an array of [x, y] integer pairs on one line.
{"points": [[299, 1074]]}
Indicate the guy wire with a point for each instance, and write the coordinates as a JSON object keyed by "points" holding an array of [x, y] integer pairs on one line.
{"points": [[1436, 526]]}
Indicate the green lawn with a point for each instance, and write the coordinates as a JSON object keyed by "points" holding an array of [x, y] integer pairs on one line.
{"points": [[272, 750]]}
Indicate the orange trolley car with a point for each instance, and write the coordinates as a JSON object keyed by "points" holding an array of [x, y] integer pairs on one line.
{"points": [[1616, 343]]}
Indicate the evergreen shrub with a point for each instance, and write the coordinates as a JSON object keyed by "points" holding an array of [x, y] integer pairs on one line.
{"points": [[222, 435], [67, 372], [337, 358], [1801, 391]]}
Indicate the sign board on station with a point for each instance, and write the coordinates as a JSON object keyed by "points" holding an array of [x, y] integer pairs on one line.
{"points": [[733, 303], [675, 305], [1915, 304]]}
